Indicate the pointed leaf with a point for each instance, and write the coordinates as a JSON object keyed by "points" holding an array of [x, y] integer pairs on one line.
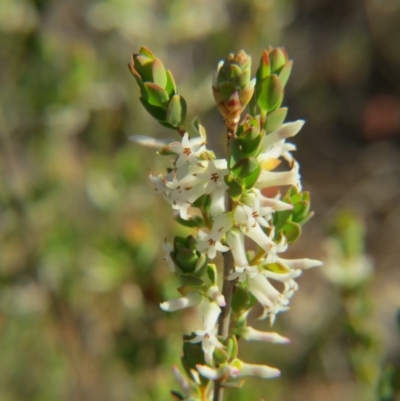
{"points": [[282, 216], [143, 66], [240, 300], [176, 111], [235, 189], [191, 280], [275, 120], [170, 87], [233, 383], [226, 90], [285, 73], [278, 59], [291, 231], [245, 167], [146, 52], [300, 210], [177, 396], [252, 178], [269, 93], [154, 94], [265, 67], [157, 112], [212, 272], [159, 73]]}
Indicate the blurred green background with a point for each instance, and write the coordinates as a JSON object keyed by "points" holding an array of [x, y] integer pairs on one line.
{"points": [[81, 270]]}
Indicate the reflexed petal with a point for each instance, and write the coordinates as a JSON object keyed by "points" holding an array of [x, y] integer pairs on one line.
{"points": [[264, 371], [251, 334], [192, 299]]}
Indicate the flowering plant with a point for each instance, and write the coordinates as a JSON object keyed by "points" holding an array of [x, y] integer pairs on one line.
{"points": [[228, 205]]}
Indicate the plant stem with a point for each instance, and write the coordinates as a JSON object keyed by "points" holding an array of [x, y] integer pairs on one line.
{"points": [[224, 317], [227, 291]]}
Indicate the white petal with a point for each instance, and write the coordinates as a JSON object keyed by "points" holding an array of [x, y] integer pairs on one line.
{"points": [[264, 371], [285, 131], [251, 334], [300, 263], [148, 141], [192, 299]]}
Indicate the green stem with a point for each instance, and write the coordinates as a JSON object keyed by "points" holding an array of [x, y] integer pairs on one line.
{"points": [[227, 289]]}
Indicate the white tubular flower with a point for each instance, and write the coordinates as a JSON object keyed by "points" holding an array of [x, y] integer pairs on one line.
{"points": [[216, 373], [188, 150], [271, 179], [235, 240], [181, 380], [273, 203], [251, 334], [253, 214], [264, 371], [208, 334], [149, 141], [299, 264], [217, 205], [214, 293], [258, 235], [213, 178], [287, 130], [213, 175], [191, 299], [210, 242]]}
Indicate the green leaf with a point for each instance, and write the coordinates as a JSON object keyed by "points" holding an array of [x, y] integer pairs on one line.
{"points": [[212, 272], [233, 383], [143, 65], [245, 167], [177, 396], [243, 79], [195, 221], [176, 111], [232, 346], [147, 52], [250, 140], [240, 300], [226, 90], [170, 86], [155, 111], [300, 210], [154, 94], [191, 280], [236, 153], [220, 356], [269, 93], [278, 59], [193, 355], [186, 259], [201, 265], [232, 72], [275, 268], [265, 67], [285, 73], [291, 231], [305, 219], [235, 189], [252, 178], [275, 119], [282, 216], [159, 73]]}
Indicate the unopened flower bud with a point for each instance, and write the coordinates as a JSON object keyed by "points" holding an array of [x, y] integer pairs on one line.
{"points": [[233, 87], [158, 90]]}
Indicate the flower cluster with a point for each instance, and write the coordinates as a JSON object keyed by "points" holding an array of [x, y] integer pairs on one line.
{"points": [[228, 204]]}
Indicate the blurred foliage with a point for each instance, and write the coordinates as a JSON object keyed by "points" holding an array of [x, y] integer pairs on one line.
{"points": [[80, 268]]}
